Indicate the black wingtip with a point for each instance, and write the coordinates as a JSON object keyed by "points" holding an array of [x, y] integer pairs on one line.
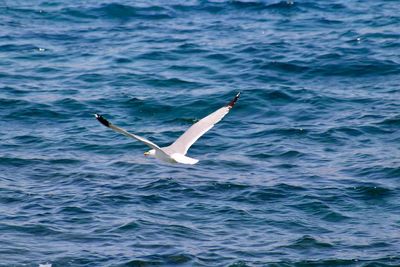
{"points": [[233, 102], [102, 120]]}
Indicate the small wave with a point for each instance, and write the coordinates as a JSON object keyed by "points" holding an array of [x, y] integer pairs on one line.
{"points": [[27, 139], [33, 113], [222, 57], [239, 263], [164, 82], [18, 162], [309, 242], [222, 187], [73, 210], [161, 184], [278, 95], [320, 209], [121, 11], [34, 229], [126, 227], [91, 77], [77, 13], [370, 192], [393, 121], [351, 69], [113, 11], [256, 5], [214, 7], [291, 154], [384, 262], [190, 48], [330, 22], [163, 259], [350, 131], [379, 172], [370, 129], [123, 60], [263, 195], [70, 104], [193, 69], [143, 107], [291, 67], [17, 47], [8, 103], [157, 55], [284, 4], [327, 137], [281, 132], [152, 199]]}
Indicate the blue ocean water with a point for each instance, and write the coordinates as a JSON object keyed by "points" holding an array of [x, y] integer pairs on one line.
{"points": [[304, 171]]}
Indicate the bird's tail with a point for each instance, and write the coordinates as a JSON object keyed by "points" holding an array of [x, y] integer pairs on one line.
{"points": [[183, 159]]}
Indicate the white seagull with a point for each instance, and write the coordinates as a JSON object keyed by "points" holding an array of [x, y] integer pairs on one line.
{"points": [[175, 153]]}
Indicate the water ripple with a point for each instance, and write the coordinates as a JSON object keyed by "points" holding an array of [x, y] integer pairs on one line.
{"points": [[302, 172]]}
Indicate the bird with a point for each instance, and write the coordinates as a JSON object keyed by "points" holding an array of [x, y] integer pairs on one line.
{"points": [[176, 152]]}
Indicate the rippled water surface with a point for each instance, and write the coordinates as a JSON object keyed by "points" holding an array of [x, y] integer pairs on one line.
{"points": [[304, 171]]}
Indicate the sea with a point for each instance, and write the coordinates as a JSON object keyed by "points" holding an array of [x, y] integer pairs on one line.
{"points": [[303, 171]]}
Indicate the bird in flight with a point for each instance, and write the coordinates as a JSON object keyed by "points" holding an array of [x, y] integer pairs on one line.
{"points": [[175, 153]]}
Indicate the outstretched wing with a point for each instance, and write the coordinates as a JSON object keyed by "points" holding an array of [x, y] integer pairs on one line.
{"points": [[108, 124], [186, 140]]}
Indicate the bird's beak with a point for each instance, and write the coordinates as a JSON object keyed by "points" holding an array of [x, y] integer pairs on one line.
{"points": [[146, 153]]}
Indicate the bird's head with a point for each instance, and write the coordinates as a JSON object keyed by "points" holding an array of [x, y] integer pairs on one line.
{"points": [[151, 152]]}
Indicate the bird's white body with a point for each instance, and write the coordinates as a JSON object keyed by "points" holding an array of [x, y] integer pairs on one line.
{"points": [[176, 152], [172, 158]]}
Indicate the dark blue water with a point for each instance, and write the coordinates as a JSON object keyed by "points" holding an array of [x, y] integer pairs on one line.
{"points": [[304, 171]]}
